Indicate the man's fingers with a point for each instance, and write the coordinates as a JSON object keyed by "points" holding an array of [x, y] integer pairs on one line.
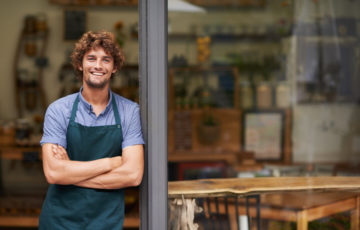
{"points": [[63, 152], [56, 152], [59, 152], [57, 156]]}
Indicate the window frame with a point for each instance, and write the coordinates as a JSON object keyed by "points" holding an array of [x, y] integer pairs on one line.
{"points": [[153, 103]]}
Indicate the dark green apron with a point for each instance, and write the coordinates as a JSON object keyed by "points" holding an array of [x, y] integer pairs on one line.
{"points": [[73, 207]]}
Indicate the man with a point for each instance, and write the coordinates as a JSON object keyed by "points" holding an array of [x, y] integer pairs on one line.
{"points": [[92, 144]]}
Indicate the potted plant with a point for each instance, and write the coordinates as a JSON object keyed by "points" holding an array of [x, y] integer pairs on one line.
{"points": [[208, 129]]}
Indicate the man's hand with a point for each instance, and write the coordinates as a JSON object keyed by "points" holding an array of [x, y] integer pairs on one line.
{"points": [[59, 152], [60, 169], [128, 173]]}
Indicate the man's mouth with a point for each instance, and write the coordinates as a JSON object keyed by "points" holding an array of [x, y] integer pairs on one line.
{"points": [[97, 73]]}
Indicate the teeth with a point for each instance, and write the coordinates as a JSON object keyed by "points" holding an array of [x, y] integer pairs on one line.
{"points": [[98, 74]]}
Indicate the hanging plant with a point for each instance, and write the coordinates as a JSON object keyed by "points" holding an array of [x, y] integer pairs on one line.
{"points": [[119, 34]]}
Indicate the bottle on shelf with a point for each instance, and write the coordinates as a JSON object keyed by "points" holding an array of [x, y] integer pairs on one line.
{"points": [[246, 95], [282, 95], [263, 95]]}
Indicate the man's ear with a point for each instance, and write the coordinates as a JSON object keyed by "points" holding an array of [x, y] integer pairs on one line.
{"points": [[114, 70], [80, 68]]}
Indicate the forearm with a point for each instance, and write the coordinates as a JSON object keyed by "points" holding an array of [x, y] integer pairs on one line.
{"points": [[71, 172], [128, 174], [120, 177], [59, 169]]}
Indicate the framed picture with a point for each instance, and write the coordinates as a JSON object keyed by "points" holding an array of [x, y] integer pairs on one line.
{"points": [[74, 24], [263, 134]]}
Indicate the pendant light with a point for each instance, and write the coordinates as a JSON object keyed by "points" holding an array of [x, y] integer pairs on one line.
{"points": [[183, 6]]}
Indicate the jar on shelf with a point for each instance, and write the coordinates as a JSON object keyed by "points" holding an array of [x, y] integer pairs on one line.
{"points": [[263, 95], [30, 47], [246, 95], [282, 95], [22, 131], [30, 24], [41, 22]]}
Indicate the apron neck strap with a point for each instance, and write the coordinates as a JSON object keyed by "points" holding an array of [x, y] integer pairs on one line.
{"points": [[116, 111], [74, 108]]}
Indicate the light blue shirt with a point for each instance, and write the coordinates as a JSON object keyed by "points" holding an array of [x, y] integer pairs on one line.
{"points": [[58, 114]]}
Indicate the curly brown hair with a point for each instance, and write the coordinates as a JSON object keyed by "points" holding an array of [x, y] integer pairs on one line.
{"points": [[91, 40]]}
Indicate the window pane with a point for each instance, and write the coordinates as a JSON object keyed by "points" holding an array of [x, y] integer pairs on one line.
{"points": [[264, 89]]}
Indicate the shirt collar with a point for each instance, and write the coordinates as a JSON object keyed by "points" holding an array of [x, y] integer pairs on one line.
{"points": [[88, 106]]}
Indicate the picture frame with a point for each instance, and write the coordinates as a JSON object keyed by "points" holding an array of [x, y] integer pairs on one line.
{"points": [[75, 21], [263, 134]]}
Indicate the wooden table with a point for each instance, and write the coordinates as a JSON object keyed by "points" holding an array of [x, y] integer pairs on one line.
{"points": [[250, 186], [247, 186], [300, 207]]}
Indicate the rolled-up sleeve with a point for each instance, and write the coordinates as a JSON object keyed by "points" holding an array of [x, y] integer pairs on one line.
{"points": [[133, 134], [54, 127]]}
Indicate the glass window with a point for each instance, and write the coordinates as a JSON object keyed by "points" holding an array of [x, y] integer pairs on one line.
{"points": [[264, 89]]}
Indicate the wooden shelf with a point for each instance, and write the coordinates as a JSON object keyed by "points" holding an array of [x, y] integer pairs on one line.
{"points": [[33, 221], [230, 157], [95, 2], [18, 153], [228, 141], [229, 37], [24, 211], [19, 221], [203, 3], [30, 97], [230, 3]]}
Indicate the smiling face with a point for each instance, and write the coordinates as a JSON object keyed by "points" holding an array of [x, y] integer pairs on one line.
{"points": [[97, 67]]}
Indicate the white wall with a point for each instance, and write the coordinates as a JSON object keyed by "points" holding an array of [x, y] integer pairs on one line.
{"points": [[326, 133], [307, 11], [11, 23]]}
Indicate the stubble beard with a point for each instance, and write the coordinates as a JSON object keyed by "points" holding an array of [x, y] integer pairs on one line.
{"points": [[94, 85]]}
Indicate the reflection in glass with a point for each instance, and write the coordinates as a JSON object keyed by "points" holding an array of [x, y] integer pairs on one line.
{"points": [[292, 66]]}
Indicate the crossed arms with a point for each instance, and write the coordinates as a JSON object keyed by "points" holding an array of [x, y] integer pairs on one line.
{"points": [[106, 173]]}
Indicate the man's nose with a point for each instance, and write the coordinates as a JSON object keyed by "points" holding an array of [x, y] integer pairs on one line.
{"points": [[98, 64]]}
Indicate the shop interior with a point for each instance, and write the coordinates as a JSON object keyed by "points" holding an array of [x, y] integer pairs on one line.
{"points": [[256, 88]]}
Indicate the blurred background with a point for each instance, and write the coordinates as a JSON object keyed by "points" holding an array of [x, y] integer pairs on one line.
{"points": [[256, 88]]}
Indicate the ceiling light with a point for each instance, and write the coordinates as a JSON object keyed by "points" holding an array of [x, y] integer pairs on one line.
{"points": [[183, 6]]}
